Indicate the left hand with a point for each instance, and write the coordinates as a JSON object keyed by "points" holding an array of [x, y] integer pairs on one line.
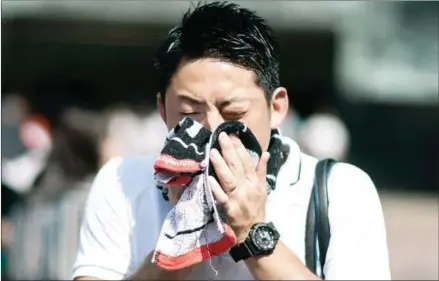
{"points": [[241, 188]]}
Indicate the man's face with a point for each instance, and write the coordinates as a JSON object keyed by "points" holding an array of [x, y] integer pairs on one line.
{"points": [[211, 92]]}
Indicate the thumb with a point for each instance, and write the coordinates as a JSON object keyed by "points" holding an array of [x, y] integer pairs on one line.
{"points": [[261, 169]]}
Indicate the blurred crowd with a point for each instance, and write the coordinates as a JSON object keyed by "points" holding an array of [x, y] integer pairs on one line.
{"points": [[46, 174], [48, 168]]}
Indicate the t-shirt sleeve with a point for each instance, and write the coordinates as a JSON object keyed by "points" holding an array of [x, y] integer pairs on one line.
{"points": [[104, 241], [358, 245]]}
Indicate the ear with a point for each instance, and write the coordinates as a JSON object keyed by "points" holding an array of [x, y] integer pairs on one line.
{"points": [[279, 106], [161, 107]]}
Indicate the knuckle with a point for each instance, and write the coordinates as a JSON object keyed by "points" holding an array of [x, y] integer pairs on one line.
{"points": [[229, 183], [252, 180], [232, 213], [233, 165], [227, 145]]}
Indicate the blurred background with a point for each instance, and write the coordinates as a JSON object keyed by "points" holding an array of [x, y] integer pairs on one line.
{"points": [[77, 90]]}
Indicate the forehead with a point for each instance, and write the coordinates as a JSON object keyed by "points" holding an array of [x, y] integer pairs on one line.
{"points": [[214, 79]]}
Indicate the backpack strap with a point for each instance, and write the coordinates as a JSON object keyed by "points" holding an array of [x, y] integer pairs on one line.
{"points": [[317, 222]]}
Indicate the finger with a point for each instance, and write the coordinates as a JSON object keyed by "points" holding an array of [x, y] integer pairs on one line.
{"points": [[247, 160], [219, 194], [230, 156], [261, 169], [222, 170]]}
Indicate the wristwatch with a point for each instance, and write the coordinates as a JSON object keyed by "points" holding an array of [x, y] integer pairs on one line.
{"points": [[262, 240]]}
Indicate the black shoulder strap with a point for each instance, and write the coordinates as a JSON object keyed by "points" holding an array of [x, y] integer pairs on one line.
{"points": [[317, 222]]}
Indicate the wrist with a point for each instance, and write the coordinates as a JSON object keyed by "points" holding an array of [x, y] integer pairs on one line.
{"points": [[242, 234], [261, 241]]}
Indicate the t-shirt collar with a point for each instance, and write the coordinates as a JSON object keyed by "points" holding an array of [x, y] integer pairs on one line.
{"points": [[290, 170]]}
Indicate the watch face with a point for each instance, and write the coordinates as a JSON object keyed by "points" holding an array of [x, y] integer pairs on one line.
{"points": [[264, 238]]}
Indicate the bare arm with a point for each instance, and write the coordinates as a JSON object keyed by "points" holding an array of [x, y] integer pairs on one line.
{"points": [[150, 271], [358, 247], [282, 264]]}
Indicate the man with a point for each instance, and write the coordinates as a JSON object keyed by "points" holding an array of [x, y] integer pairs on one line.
{"points": [[220, 64]]}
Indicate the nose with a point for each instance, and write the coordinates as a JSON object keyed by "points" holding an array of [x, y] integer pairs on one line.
{"points": [[212, 120]]}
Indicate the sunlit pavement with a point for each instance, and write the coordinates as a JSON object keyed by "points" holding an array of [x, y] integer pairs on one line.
{"points": [[412, 231]]}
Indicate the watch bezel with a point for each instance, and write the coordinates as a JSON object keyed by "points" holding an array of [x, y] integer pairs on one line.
{"points": [[249, 248], [253, 233]]}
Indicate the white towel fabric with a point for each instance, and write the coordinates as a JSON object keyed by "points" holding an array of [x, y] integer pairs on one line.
{"points": [[195, 229]]}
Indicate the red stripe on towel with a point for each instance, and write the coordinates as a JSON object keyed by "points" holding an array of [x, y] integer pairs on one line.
{"points": [[170, 164], [197, 255]]}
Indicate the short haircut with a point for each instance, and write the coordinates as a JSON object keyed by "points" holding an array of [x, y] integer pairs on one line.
{"points": [[223, 31]]}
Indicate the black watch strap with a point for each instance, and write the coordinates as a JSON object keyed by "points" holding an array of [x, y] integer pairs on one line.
{"points": [[242, 251], [247, 249]]}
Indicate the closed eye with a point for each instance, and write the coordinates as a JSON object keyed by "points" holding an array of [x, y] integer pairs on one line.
{"points": [[233, 116], [188, 113]]}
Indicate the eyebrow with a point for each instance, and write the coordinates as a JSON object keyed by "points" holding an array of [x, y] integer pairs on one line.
{"points": [[228, 102], [220, 104], [191, 99]]}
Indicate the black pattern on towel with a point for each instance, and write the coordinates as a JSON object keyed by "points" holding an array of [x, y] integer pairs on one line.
{"points": [[194, 230]]}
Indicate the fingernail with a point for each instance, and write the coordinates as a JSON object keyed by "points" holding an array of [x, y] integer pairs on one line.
{"points": [[235, 139], [213, 152]]}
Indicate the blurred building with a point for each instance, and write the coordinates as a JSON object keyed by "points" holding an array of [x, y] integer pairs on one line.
{"points": [[376, 63]]}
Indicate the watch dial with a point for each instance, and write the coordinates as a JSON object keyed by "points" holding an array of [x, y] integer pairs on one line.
{"points": [[264, 238]]}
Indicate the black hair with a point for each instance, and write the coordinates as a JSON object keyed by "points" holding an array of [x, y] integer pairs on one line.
{"points": [[223, 31]]}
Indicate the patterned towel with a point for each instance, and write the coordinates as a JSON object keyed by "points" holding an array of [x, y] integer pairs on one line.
{"points": [[195, 229]]}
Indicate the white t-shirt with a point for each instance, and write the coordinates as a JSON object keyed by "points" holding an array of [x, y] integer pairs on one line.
{"points": [[125, 211]]}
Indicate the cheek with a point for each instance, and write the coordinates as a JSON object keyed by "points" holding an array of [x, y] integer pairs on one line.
{"points": [[171, 112], [259, 123], [172, 118], [171, 122]]}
